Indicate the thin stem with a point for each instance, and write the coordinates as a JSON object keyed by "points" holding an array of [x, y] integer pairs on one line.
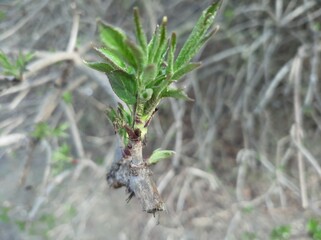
{"points": [[296, 74]]}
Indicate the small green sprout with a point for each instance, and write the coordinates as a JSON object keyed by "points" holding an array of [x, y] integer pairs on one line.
{"points": [[314, 228], [158, 155], [61, 159], [67, 97], [43, 130], [282, 232], [4, 214], [2, 15], [248, 236], [14, 68]]}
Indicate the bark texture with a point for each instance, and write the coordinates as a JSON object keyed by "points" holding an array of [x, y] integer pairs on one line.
{"points": [[132, 172]]}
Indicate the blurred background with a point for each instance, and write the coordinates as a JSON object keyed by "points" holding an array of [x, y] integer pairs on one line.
{"points": [[247, 163]]}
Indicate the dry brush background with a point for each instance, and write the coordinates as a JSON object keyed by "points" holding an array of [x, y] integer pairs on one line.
{"points": [[247, 149]]}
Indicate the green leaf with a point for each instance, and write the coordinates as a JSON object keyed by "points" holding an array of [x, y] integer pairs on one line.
{"points": [[111, 36], [111, 114], [2, 15], [162, 44], [100, 66], [124, 85], [175, 93], [149, 73], [115, 40], [29, 57], [171, 55], [198, 36], [140, 34], [49, 220], [159, 86], [67, 97], [4, 215], [208, 36], [60, 130], [247, 235], [122, 132], [4, 61], [157, 82], [282, 232], [21, 225], [12, 72], [41, 131], [151, 105], [125, 115], [146, 94], [153, 44], [158, 155], [15, 68], [62, 154], [20, 62], [112, 59], [314, 227], [184, 70], [139, 56]]}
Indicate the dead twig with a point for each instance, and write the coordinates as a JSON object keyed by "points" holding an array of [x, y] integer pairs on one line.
{"points": [[298, 129], [69, 111], [12, 139], [304, 151], [22, 22], [274, 83]]}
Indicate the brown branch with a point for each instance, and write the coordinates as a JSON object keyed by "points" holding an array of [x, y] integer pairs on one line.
{"points": [[133, 173]]}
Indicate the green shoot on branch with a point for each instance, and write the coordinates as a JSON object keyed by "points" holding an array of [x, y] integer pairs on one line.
{"points": [[141, 73]]}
